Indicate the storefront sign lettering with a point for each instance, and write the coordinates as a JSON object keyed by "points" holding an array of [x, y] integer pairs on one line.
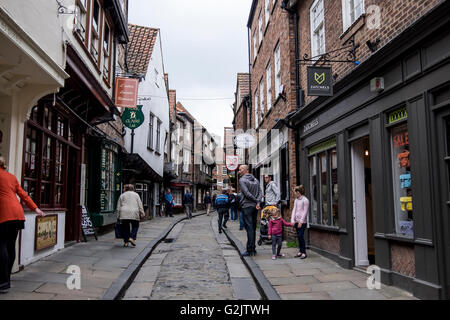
{"points": [[398, 115], [46, 232], [311, 125], [323, 146], [126, 92], [86, 223], [320, 81], [133, 118], [400, 140]]}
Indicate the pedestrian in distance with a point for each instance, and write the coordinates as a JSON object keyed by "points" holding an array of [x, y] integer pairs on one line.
{"points": [[188, 201], [299, 218], [233, 204], [276, 223], [251, 203], [168, 203], [129, 211], [222, 205], [207, 202], [272, 195], [12, 219]]}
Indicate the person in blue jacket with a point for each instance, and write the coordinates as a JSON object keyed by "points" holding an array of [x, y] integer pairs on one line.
{"points": [[188, 201], [168, 198], [222, 204]]}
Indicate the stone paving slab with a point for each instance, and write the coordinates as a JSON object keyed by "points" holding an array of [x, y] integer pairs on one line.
{"points": [[314, 278], [101, 263]]}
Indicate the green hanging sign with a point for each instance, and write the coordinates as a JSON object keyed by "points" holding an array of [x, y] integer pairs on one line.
{"points": [[132, 118]]}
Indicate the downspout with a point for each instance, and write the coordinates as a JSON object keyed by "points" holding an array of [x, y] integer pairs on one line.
{"points": [[299, 99], [250, 81]]}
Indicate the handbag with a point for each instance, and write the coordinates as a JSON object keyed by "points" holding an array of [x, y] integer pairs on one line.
{"points": [[118, 229]]}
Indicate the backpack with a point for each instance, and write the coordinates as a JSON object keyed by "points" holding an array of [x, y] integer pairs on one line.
{"points": [[221, 200]]}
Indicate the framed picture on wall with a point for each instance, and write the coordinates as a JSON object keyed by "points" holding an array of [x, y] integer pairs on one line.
{"points": [[46, 235]]}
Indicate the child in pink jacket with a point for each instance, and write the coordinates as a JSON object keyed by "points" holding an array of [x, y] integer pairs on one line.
{"points": [[276, 223]]}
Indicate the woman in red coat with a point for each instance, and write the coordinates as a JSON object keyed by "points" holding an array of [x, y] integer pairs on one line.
{"points": [[12, 220]]}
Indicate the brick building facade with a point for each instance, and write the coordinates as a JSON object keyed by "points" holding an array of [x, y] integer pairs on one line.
{"points": [[363, 211]]}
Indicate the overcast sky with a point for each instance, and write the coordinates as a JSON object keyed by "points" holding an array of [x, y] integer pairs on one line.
{"points": [[204, 47]]}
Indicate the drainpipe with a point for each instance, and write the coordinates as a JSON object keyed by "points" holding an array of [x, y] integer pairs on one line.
{"points": [[299, 98], [250, 80]]}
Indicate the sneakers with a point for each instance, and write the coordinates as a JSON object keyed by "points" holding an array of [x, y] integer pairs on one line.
{"points": [[281, 255], [224, 226], [125, 244], [131, 240], [274, 257], [5, 289], [220, 230]]}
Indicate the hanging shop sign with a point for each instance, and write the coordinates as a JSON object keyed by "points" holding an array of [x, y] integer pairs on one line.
{"points": [[133, 118], [232, 162], [320, 81], [126, 92], [46, 235], [244, 141]]}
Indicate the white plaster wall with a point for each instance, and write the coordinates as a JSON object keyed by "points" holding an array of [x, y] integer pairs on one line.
{"points": [[27, 254], [159, 106], [40, 21]]}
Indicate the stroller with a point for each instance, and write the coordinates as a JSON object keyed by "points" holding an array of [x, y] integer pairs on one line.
{"points": [[264, 225]]}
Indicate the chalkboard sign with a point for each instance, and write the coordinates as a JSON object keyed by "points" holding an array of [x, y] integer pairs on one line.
{"points": [[86, 224]]}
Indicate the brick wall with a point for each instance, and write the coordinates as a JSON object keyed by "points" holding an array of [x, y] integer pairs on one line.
{"points": [[325, 240], [113, 129], [396, 16], [280, 30], [403, 259]]}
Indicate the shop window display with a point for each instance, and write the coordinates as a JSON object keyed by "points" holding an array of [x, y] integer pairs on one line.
{"points": [[324, 193], [402, 182]]}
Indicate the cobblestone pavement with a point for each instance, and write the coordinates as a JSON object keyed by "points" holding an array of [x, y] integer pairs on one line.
{"points": [[101, 263], [200, 264], [315, 277]]}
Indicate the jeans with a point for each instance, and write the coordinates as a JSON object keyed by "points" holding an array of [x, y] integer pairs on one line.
{"points": [[126, 229], [188, 210], [233, 213], [301, 240], [168, 209], [8, 235], [277, 241], [223, 216], [250, 214], [241, 219]]}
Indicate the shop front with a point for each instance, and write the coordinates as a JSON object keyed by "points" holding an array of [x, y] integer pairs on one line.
{"points": [[376, 165]]}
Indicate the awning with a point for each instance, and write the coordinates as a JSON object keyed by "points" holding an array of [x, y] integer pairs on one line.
{"points": [[139, 169]]}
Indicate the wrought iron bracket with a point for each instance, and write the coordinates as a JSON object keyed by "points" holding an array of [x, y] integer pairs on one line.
{"points": [[62, 9], [333, 56]]}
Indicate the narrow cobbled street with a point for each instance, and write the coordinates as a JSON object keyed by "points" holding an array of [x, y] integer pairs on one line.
{"points": [[194, 263]]}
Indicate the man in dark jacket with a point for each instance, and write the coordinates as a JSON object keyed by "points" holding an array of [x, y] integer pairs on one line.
{"points": [[222, 204], [250, 204], [188, 200]]}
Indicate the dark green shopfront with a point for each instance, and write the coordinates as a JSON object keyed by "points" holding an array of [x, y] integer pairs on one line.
{"points": [[376, 165]]}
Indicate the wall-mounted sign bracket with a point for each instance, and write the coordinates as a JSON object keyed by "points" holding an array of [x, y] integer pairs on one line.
{"points": [[333, 56]]}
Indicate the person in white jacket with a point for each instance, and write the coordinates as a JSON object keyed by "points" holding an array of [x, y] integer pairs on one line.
{"points": [[129, 211]]}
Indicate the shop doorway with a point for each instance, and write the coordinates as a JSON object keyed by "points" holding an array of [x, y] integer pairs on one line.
{"points": [[363, 230], [73, 214]]}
